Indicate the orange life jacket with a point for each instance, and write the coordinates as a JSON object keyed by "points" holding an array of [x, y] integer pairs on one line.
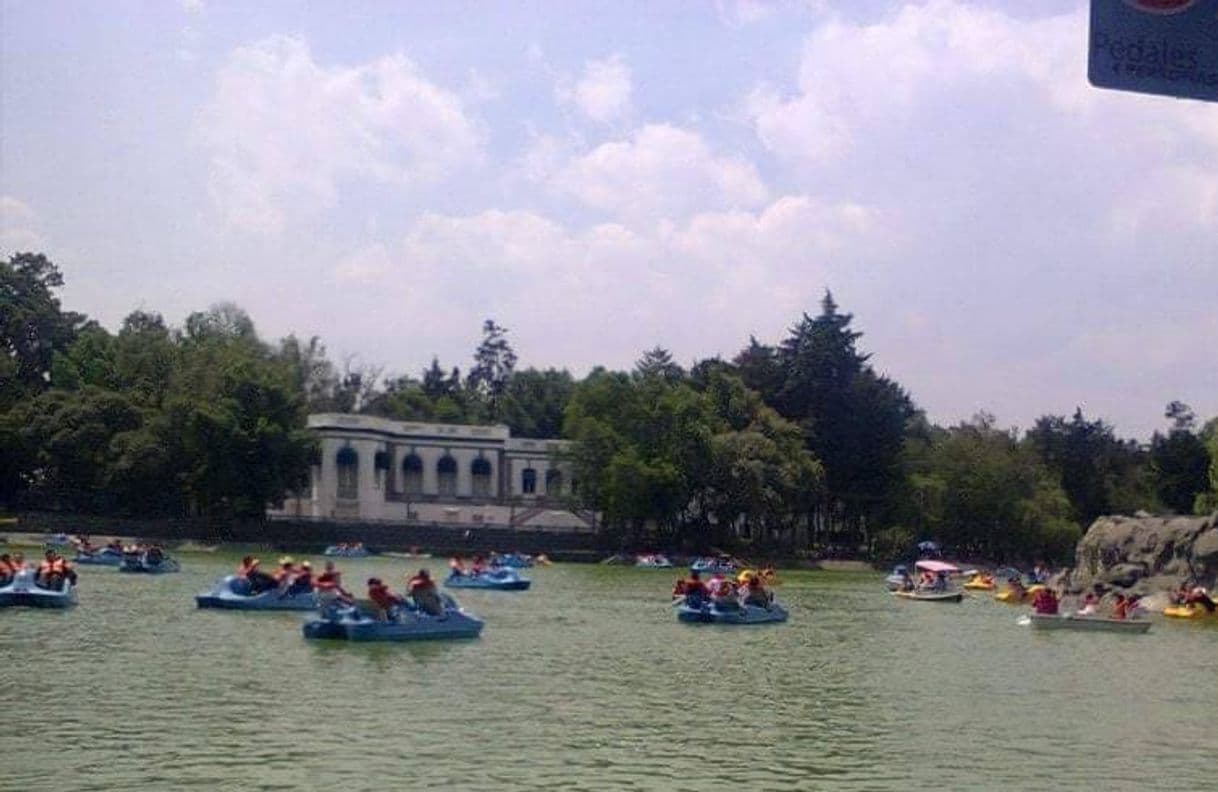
{"points": [[54, 567]]}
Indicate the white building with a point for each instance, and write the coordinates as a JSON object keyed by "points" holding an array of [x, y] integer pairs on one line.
{"points": [[380, 470]]}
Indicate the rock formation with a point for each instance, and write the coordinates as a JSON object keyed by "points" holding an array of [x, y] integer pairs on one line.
{"points": [[1147, 555]]}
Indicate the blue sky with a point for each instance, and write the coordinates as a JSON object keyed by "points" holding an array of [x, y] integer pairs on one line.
{"points": [[603, 177]]}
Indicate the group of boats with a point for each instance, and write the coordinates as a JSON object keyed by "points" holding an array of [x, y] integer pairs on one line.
{"points": [[25, 588], [337, 618], [937, 582]]}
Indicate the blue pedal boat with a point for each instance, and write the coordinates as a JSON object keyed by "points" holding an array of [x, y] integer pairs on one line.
{"points": [[405, 624], [107, 556], [495, 579], [712, 613], [233, 593], [141, 563], [511, 561], [712, 566], [343, 551], [24, 591]]}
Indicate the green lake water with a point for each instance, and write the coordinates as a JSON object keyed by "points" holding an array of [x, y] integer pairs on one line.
{"points": [[587, 682]]}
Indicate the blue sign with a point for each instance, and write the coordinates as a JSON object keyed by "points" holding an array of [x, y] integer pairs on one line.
{"points": [[1167, 47]]}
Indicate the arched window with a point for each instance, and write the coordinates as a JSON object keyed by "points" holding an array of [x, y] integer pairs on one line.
{"points": [[553, 482], [412, 474], [348, 473], [481, 471], [381, 460], [446, 469], [528, 481]]}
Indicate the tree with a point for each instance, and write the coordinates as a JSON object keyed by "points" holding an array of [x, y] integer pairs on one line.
{"points": [[536, 401], [494, 362], [853, 418], [985, 494], [33, 326], [1099, 473], [1207, 502], [761, 370], [658, 363], [1179, 461]]}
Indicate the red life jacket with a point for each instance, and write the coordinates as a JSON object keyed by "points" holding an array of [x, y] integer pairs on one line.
{"points": [[55, 567], [382, 596], [327, 581]]}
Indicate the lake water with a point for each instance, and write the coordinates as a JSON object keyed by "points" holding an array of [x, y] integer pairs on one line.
{"points": [[587, 682]]}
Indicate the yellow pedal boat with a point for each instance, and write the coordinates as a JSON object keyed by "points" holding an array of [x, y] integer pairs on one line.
{"points": [[1014, 598], [1189, 612]]}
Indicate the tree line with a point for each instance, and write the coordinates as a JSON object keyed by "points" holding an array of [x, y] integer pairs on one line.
{"points": [[799, 445]]}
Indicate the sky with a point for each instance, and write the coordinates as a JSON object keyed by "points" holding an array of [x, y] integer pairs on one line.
{"points": [[604, 177]]}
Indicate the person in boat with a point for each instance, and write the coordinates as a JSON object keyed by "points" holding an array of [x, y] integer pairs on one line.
{"points": [[302, 582], [478, 566], [285, 573], [114, 546], [251, 570], [678, 588], [53, 571], [422, 589], [1016, 587], [1124, 607], [694, 589], [755, 592], [1199, 596], [456, 566], [8, 569], [385, 601], [329, 583], [1045, 602], [723, 595]]}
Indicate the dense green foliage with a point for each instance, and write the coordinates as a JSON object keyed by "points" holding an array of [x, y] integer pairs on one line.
{"points": [[801, 444]]}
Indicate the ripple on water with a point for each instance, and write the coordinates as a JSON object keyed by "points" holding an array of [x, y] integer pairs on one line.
{"points": [[587, 682]]}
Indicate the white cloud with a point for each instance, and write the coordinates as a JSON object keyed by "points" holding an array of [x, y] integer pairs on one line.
{"points": [[603, 92], [18, 227], [366, 265], [193, 6], [283, 131], [565, 291], [660, 171]]}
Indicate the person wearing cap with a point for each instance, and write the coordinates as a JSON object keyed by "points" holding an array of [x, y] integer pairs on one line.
{"points": [[755, 592], [302, 583], [259, 581], [422, 589], [286, 571], [384, 599]]}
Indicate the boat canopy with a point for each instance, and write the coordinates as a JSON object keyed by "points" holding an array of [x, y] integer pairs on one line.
{"points": [[937, 566]]}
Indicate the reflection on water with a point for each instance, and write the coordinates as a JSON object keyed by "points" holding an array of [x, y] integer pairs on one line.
{"points": [[587, 682]]}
